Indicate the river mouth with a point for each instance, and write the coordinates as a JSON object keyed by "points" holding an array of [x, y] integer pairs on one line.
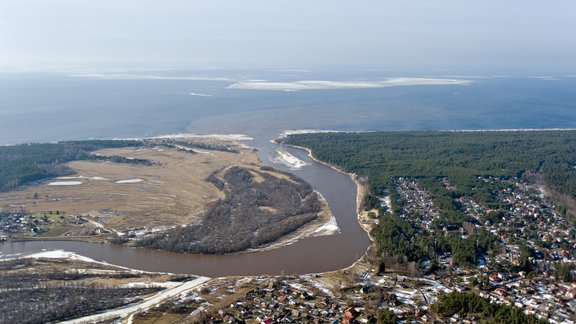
{"points": [[309, 255]]}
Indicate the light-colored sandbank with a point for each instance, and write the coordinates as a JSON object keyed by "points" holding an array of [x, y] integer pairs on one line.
{"points": [[217, 137]]}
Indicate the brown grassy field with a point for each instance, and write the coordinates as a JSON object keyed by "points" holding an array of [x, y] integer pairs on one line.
{"points": [[172, 192]]}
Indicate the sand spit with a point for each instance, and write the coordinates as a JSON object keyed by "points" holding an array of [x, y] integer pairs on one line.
{"points": [[308, 131], [217, 137]]}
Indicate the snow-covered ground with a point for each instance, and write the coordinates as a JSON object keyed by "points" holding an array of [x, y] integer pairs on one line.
{"points": [[55, 254], [289, 160], [129, 181], [330, 228], [65, 183]]}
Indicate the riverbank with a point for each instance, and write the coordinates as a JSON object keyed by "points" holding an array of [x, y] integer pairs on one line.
{"points": [[365, 221]]}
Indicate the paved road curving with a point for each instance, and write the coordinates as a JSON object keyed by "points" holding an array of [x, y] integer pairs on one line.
{"points": [[146, 304]]}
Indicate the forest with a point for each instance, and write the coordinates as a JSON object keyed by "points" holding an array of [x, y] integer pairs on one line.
{"points": [[468, 304], [465, 160], [26, 163], [460, 156], [258, 208]]}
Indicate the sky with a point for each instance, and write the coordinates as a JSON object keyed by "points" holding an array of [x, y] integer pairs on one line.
{"points": [[427, 35]]}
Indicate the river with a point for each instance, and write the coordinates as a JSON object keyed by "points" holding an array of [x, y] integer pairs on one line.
{"points": [[310, 255]]}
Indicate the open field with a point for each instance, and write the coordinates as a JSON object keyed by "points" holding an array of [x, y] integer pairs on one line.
{"points": [[171, 193]]}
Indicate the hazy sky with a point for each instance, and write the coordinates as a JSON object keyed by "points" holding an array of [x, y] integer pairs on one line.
{"points": [[361, 34]]}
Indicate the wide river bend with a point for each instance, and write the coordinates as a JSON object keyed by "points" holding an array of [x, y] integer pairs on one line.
{"points": [[310, 255]]}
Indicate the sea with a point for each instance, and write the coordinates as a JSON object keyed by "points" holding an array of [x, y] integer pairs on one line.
{"points": [[46, 107]]}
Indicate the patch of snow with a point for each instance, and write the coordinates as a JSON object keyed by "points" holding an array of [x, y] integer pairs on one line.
{"points": [[59, 254], [296, 286], [65, 183], [330, 228], [129, 181], [322, 287], [283, 157], [166, 284]]}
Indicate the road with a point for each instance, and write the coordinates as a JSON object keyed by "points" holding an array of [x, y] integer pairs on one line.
{"points": [[146, 304]]}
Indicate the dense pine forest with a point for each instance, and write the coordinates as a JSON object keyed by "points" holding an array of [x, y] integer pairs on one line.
{"points": [[26, 163], [468, 305], [460, 156]]}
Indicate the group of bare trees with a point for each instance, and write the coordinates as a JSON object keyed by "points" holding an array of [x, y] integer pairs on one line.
{"points": [[49, 295], [253, 213]]}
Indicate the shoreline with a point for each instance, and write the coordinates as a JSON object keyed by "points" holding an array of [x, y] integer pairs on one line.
{"points": [[360, 187], [360, 216]]}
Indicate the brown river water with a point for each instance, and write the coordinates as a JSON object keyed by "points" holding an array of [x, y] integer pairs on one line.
{"points": [[310, 255]]}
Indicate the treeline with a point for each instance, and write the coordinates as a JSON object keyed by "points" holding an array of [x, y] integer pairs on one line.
{"points": [[253, 213], [460, 156], [26, 163], [468, 304]]}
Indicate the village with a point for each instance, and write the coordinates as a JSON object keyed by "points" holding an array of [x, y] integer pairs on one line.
{"points": [[353, 295], [535, 267]]}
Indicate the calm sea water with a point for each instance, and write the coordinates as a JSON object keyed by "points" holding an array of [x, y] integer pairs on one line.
{"points": [[57, 107]]}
